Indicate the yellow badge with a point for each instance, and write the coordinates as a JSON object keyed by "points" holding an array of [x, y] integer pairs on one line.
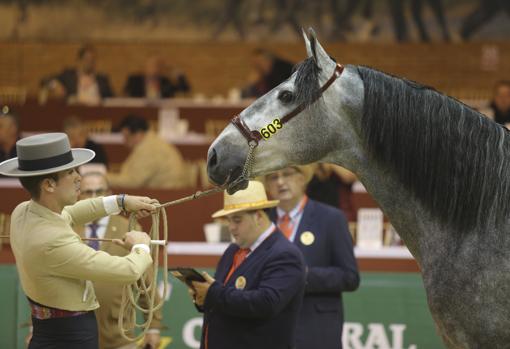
{"points": [[307, 238], [241, 283]]}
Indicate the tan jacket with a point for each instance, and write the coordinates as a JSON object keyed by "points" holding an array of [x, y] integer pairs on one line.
{"points": [[109, 294], [152, 164], [54, 264]]}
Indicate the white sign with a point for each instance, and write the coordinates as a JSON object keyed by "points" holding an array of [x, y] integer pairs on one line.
{"points": [[377, 337], [370, 228]]}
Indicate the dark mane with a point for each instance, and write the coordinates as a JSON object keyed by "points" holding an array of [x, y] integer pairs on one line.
{"points": [[451, 157], [306, 86]]}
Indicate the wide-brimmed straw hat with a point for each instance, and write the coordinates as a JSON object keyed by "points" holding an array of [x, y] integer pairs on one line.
{"points": [[43, 154], [252, 198]]}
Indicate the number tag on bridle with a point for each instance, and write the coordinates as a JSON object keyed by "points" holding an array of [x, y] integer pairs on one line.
{"points": [[271, 129]]}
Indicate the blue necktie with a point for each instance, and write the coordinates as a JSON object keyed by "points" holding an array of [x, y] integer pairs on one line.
{"points": [[93, 234]]}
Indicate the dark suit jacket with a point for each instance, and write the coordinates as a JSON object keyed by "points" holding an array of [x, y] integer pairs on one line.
{"points": [[69, 78], [332, 269], [263, 314], [135, 86]]}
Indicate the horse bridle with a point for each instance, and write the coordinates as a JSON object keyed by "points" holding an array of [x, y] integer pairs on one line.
{"points": [[254, 137]]}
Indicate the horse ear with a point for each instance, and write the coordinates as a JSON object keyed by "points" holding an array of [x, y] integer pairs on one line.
{"points": [[315, 50], [307, 43]]}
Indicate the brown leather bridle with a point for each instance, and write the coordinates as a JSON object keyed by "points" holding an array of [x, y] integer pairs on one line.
{"points": [[253, 137]]}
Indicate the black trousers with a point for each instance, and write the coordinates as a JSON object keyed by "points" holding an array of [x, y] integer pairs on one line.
{"points": [[77, 332]]}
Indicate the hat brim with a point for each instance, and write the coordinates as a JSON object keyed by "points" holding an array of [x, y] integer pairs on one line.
{"points": [[81, 156], [223, 213]]}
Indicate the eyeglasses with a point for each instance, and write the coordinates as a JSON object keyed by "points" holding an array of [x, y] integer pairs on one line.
{"points": [[97, 192], [285, 175]]}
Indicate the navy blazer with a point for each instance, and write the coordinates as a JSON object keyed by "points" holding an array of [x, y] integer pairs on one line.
{"points": [[135, 86], [264, 314], [332, 269]]}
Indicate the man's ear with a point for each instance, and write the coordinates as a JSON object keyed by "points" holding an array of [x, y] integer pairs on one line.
{"points": [[48, 185]]}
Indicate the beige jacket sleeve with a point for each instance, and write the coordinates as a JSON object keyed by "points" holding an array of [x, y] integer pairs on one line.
{"points": [[69, 257], [84, 211]]}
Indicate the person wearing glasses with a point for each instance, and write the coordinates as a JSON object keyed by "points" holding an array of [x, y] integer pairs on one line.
{"points": [[109, 295], [321, 233]]}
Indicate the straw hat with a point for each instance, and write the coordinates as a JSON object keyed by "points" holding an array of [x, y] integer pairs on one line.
{"points": [[43, 154], [252, 198]]}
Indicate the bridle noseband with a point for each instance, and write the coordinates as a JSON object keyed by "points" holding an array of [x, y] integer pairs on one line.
{"points": [[254, 137]]}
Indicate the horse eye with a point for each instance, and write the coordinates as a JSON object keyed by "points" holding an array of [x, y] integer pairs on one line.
{"points": [[286, 96]]}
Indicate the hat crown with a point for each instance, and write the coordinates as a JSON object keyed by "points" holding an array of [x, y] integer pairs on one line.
{"points": [[43, 146], [253, 194]]}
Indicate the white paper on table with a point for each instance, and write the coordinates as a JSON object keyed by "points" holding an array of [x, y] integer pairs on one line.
{"points": [[370, 228]]}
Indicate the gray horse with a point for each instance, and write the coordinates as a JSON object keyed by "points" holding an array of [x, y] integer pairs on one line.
{"points": [[439, 170]]}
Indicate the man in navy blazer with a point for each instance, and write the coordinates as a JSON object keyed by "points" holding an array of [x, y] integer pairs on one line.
{"points": [[321, 233], [254, 301]]}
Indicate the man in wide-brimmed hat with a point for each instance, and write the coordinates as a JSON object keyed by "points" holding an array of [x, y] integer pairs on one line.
{"points": [[55, 267], [321, 233], [255, 299]]}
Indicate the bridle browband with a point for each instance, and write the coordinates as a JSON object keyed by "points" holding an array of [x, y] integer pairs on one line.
{"points": [[254, 137]]}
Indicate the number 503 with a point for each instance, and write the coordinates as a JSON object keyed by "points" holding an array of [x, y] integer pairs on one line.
{"points": [[271, 129]]}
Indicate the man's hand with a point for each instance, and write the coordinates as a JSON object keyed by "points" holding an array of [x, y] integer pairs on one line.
{"points": [[153, 339], [201, 289], [132, 238], [142, 205]]}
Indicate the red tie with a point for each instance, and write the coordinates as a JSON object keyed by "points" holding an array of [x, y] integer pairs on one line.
{"points": [[286, 225], [239, 258]]}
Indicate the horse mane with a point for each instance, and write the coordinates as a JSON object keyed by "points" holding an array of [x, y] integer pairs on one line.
{"points": [[452, 158], [306, 86]]}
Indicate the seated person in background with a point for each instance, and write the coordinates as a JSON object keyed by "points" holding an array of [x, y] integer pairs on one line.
{"points": [[500, 104], [152, 163], [79, 138], [109, 295], [268, 72], [153, 84], [331, 184], [9, 134], [81, 84]]}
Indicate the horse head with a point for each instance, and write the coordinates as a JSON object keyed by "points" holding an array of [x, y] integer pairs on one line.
{"points": [[289, 125]]}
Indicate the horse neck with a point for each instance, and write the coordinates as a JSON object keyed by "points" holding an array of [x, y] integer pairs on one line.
{"points": [[417, 228]]}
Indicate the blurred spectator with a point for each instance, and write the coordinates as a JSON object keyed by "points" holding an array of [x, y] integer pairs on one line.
{"points": [[9, 134], [79, 138], [486, 10], [500, 104], [152, 163], [331, 184], [81, 84], [231, 14], [268, 72], [153, 84]]}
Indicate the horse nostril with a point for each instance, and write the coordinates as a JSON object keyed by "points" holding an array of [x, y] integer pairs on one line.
{"points": [[213, 159]]}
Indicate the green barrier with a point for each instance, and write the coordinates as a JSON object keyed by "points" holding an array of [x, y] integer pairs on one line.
{"points": [[389, 311]]}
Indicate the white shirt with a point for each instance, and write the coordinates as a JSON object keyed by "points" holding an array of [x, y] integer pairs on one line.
{"points": [[261, 238], [101, 229]]}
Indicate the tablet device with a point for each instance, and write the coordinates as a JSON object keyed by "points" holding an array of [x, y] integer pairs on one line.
{"points": [[186, 275]]}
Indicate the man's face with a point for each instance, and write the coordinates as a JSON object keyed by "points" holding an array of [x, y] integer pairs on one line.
{"points": [[131, 139], [502, 98], [262, 63], [286, 185], [93, 186], [244, 228], [67, 187]]}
